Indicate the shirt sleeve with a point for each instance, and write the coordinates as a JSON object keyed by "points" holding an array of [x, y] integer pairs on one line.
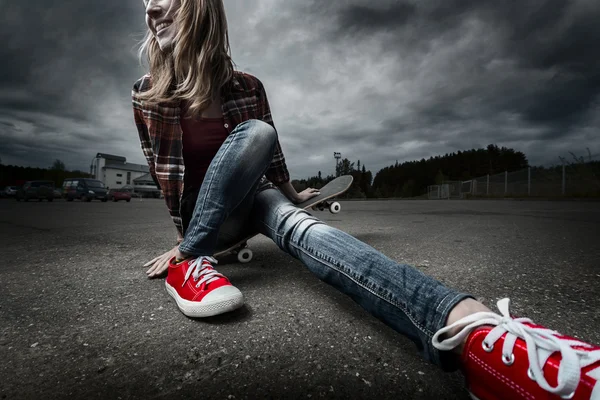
{"points": [[277, 172], [144, 137], [147, 149]]}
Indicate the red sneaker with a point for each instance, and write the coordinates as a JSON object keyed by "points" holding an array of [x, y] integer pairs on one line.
{"points": [[207, 293], [513, 358]]}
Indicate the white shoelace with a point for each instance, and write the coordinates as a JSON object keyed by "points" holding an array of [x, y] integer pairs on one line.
{"points": [[541, 343], [197, 271]]}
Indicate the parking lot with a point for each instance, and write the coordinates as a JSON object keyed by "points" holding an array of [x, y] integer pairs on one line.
{"points": [[79, 318]]}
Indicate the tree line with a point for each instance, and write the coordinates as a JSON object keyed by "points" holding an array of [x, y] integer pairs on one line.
{"points": [[12, 175], [407, 179], [411, 178]]}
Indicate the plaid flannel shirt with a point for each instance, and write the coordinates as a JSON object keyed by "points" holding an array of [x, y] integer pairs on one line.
{"points": [[160, 135]]}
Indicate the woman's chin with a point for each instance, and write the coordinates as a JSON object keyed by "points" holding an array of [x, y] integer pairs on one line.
{"points": [[165, 45]]}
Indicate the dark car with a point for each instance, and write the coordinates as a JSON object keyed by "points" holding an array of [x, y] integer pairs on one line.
{"points": [[9, 191], [37, 190], [119, 194], [84, 189]]}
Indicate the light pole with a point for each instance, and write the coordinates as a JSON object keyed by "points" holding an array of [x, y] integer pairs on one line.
{"points": [[337, 157]]}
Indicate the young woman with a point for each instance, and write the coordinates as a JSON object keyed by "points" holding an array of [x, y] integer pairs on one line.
{"points": [[211, 145]]}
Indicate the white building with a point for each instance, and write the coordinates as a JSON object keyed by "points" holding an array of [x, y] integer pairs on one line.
{"points": [[115, 172]]}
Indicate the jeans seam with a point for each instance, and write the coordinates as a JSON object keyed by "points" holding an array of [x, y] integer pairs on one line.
{"points": [[341, 271], [442, 302], [448, 304], [277, 235]]}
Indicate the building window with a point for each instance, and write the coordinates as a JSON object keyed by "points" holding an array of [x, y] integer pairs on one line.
{"points": [[129, 178], [119, 183], [119, 175]]}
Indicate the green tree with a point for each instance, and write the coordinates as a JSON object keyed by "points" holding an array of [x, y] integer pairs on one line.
{"points": [[408, 189], [344, 167], [58, 165], [461, 165], [439, 178]]}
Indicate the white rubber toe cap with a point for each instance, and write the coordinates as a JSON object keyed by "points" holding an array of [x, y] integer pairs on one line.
{"points": [[224, 293], [218, 301]]}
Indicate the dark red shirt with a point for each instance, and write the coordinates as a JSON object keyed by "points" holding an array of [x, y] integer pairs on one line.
{"points": [[202, 138]]}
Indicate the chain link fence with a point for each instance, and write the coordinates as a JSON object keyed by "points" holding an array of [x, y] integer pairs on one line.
{"points": [[447, 190], [575, 180]]}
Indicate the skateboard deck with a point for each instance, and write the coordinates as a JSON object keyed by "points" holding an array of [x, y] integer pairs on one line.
{"points": [[321, 202]]}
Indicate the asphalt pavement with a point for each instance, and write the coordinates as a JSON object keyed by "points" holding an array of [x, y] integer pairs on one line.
{"points": [[79, 318]]}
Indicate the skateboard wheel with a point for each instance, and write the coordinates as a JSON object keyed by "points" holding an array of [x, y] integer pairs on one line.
{"points": [[245, 255], [335, 207]]}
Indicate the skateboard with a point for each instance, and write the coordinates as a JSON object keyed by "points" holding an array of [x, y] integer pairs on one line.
{"points": [[321, 202]]}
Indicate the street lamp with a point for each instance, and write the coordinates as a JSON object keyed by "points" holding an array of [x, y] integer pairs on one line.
{"points": [[337, 157]]}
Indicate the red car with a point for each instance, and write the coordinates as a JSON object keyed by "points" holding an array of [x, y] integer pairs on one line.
{"points": [[118, 194]]}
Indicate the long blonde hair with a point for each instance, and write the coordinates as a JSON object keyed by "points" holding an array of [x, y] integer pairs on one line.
{"points": [[198, 65]]}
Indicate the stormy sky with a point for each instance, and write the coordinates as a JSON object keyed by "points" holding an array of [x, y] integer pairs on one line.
{"points": [[378, 81]]}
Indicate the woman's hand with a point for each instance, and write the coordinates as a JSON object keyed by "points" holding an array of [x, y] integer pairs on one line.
{"points": [[159, 265], [288, 190], [306, 194]]}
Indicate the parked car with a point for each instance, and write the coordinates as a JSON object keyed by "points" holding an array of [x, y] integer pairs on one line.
{"points": [[57, 193], [9, 191], [84, 189], [119, 194], [36, 190], [130, 189]]}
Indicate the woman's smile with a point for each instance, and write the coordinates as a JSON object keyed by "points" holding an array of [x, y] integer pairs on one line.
{"points": [[162, 26]]}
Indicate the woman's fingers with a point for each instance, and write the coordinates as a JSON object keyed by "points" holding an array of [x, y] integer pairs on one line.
{"points": [[158, 263], [153, 260], [157, 268], [163, 268], [160, 268], [150, 272]]}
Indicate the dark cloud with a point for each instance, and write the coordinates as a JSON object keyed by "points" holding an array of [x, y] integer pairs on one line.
{"points": [[70, 62], [9, 124], [362, 19], [559, 38], [378, 81], [554, 40]]}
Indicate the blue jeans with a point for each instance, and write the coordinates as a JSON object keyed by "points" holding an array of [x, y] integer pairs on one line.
{"points": [[228, 189], [401, 296]]}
